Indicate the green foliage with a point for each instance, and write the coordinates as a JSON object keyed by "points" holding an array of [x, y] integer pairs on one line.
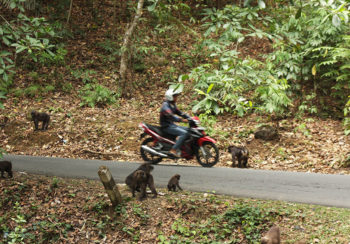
{"points": [[19, 233], [221, 89], [2, 152], [310, 51], [96, 95], [54, 183], [2, 96], [307, 106], [86, 76], [34, 90], [273, 95], [233, 24], [111, 48], [26, 40], [251, 219], [222, 83]]}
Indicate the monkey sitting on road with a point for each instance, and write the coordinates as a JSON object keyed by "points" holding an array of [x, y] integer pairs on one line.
{"points": [[174, 182], [6, 166], [44, 117], [147, 168], [239, 153]]}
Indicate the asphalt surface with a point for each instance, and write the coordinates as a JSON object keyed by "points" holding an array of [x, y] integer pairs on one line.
{"points": [[310, 188]]}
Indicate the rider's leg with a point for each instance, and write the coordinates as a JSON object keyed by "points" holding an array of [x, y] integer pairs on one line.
{"points": [[179, 131]]}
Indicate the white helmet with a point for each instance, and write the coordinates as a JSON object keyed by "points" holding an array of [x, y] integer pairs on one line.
{"points": [[169, 94]]}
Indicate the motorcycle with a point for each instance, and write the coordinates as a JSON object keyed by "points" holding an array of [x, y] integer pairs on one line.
{"points": [[158, 143]]}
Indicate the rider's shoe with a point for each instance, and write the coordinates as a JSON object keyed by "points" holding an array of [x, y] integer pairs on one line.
{"points": [[174, 153]]}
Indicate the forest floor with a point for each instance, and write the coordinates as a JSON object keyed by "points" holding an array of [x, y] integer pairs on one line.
{"points": [[308, 145]]}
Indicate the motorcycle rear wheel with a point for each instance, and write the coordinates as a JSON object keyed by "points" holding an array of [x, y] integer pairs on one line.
{"points": [[148, 156], [212, 155]]}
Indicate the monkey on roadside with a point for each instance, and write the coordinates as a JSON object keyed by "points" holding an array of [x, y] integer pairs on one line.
{"points": [[44, 117], [239, 153], [139, 179], [147, 168], [272, 236], [174, 182], [6, 166]]}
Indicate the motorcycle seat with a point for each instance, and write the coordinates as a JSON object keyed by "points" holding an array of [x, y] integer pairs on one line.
{"points": [[159, 131]]}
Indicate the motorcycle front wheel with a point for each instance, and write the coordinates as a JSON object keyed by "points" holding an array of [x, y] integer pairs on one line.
{"points": [[208, 155], [148, 156]]}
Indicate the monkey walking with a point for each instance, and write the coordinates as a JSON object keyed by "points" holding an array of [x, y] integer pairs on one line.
{"points": [[239, 153], [136, 181], [272, 236], [6, 166], [44, 117], [174, 182]]}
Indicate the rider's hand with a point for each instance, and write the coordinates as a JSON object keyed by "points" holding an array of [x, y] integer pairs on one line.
{"points": [[184, 120]]}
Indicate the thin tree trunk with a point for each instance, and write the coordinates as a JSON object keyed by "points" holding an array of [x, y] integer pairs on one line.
{"points": [[70, 11], [126, 44]]}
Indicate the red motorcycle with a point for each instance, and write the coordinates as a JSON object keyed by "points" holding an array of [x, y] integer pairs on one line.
{"points": [[156, 147]]}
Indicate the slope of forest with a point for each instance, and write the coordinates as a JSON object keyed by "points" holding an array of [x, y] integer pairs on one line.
{"points": [[111, 132], [80, 88]]}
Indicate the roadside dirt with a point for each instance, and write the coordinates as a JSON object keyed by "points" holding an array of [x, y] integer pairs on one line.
{"points": [[311, 145]]}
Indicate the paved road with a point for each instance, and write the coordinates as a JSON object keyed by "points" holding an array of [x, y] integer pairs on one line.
{"points": [[320, 189]]}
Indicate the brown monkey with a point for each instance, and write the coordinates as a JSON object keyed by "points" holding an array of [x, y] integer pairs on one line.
{"points": [[272, 236], [6, 166], [241, 153], [139, 179], [44, 117], [147, 168], [174, 182]]}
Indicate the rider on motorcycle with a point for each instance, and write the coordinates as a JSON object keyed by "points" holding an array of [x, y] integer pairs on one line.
{"points": [[168, 115]]}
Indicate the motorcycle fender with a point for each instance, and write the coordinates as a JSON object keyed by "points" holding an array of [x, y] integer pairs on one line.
{"points": [[204, 139]]}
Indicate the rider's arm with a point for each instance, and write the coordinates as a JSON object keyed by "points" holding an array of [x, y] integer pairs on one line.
{"points": [[167, 112], [182, 114]]}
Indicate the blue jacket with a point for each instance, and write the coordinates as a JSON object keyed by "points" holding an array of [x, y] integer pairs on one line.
{"points": [[168, 114]]}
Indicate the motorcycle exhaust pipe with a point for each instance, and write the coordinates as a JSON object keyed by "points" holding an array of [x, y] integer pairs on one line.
{"points": [[154, 152]]}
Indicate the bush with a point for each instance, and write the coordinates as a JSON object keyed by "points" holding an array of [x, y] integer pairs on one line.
{"points": [[96, 95], [251, 219]]}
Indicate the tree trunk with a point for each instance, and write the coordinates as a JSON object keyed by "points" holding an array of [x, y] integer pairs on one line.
{"points": [[110, 186], [126, 44], [70, 11]]}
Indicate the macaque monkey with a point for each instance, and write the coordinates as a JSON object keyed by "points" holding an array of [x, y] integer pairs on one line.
{"points": [[272, 236], [44, 117], [239, 153], [147, 168], [174, 182], [139, 179], [6, 166]]}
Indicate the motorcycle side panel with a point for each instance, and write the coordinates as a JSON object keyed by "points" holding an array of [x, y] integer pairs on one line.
{"points": [[205, 138]]}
